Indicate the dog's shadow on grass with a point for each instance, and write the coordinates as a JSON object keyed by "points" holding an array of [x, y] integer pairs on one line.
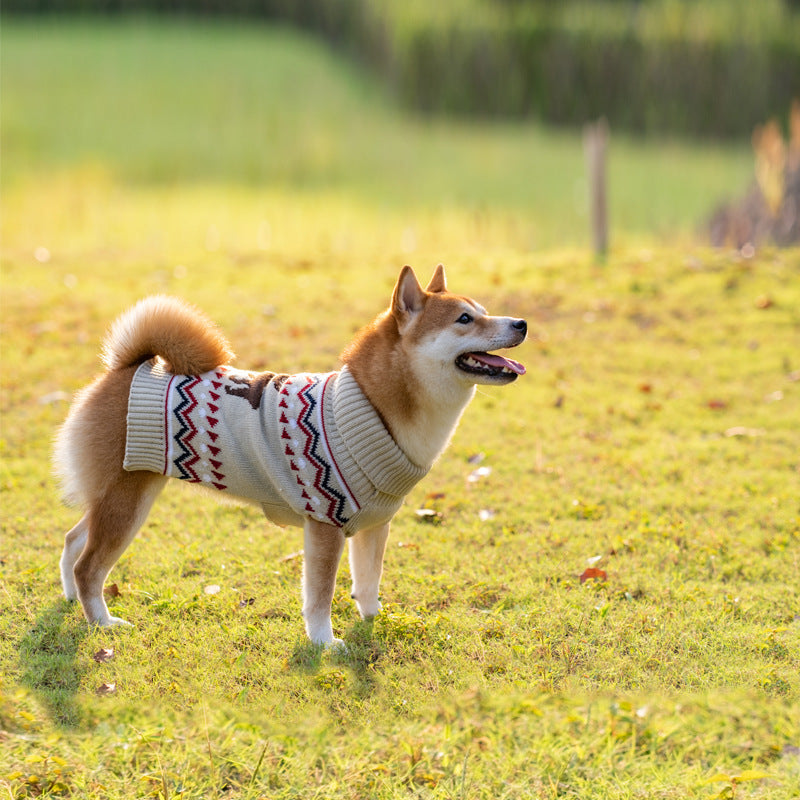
{"points": [[49, 664], [360, 654]]}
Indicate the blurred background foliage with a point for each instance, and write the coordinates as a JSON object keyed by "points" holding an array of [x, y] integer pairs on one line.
{"points": [[708, 68]]}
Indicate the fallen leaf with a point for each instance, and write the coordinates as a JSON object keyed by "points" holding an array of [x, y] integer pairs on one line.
{"points": [[740, 430], [112, 590], [249, 601], [476, 458], [276, 613], [290, 557], [720, 777], [105, 689], [593, 573], [717, 405], [104, 654], [211, 589], [750, 775], [479, 473], [645, 388], [408, 545], [52, 398], [764, 301], [429, 515], [434, 496]]}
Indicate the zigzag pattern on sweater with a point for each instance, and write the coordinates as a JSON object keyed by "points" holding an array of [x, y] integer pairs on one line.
{"points": [[318, 455], [190, 457]]}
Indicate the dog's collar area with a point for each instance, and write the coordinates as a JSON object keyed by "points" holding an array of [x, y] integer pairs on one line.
{"points": [[370, 445]]}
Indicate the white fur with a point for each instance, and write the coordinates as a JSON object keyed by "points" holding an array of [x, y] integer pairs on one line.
{"points": [[366, 564], [447, 390], [73, 547]]}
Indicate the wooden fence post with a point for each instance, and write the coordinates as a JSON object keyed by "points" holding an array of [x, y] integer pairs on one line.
{"points": [[595, 142]]}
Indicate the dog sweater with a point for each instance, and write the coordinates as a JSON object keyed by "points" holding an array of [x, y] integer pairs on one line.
{"points": [[305, 445]]}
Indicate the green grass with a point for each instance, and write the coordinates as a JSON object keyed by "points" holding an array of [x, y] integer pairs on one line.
{"points": [[492, 672], [656, 429], [266, 107]]}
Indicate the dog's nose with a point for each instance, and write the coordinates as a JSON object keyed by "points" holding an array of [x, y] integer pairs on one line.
{"points": [[520, 325]]}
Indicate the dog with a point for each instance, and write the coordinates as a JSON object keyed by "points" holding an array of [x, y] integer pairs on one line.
{"points": [[335, 453]]}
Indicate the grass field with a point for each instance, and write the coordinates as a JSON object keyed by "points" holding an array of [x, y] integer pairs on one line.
{"points": [[655, 438], [260, 107]]}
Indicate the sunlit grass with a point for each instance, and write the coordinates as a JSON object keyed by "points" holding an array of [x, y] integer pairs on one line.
{"points": [[654, 439]]}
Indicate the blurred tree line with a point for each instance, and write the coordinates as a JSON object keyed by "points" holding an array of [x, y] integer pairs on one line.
{"points": [[691, 67]]}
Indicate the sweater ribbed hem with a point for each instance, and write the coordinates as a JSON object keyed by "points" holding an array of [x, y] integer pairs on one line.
{"points": [[368, 442], [144, 446]]}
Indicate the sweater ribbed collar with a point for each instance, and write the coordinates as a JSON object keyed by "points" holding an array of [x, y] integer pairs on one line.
{"points": [[369, 443]]}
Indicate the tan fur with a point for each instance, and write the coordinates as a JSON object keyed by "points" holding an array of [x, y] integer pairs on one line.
{"points": [[378, 355], [382, 356], [367, 549], [90, 446], [322, 550], [377, 361], [90, 450], [402, 362], [182, 335]]}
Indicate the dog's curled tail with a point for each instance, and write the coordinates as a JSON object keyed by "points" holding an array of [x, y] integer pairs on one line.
{"points": [[180, 334]]}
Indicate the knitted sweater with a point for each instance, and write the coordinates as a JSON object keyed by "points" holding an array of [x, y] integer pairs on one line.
{"points": [[306, 445]]}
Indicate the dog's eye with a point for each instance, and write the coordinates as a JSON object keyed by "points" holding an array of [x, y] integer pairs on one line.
{"points": [[464, 319]]}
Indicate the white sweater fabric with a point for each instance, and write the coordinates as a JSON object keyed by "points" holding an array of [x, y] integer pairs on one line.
{"points": [[305, 445]]}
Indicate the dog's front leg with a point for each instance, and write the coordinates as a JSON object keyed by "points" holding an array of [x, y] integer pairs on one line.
{"points": [[323, 550], [366, 564]]}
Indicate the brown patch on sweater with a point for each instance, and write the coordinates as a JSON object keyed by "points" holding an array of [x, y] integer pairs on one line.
{"points": [[252, 388]]}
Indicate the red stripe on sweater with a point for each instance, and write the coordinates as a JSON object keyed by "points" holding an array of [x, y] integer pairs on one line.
{"points": [[328, 445], [166, 425]]}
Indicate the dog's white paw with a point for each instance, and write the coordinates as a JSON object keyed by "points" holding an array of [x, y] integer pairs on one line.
{"points": [[112, 622], [336, 646], [369, 610], [68, 585]]}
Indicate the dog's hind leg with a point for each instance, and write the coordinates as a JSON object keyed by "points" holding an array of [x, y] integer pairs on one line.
{"points": [[323, 547], [74, 543], [366, 564], [111, 524]]}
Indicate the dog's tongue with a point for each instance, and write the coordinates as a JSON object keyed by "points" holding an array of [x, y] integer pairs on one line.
{"points": [[493, 360]]}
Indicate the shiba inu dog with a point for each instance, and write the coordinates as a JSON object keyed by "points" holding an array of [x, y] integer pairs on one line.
{"points": [[335, 453]]}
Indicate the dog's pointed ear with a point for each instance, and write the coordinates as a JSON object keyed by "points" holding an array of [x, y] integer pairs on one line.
{"points": [[408, 297], [438, 281]]}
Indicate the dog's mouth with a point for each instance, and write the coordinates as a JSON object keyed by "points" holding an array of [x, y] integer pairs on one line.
{"points": [[490, 365]]}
